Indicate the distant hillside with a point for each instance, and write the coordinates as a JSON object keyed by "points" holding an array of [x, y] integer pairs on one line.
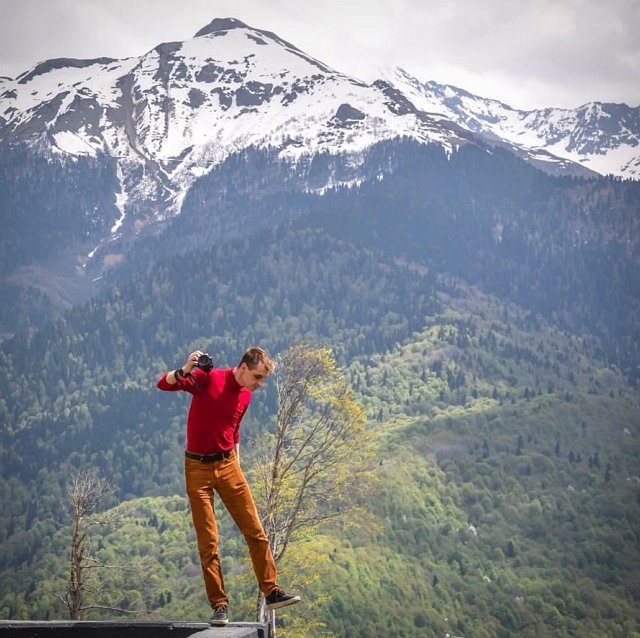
{"points": [[509, 454]]}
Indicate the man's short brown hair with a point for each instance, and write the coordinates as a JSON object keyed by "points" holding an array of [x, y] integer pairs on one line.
{"points": [[254, 355]]}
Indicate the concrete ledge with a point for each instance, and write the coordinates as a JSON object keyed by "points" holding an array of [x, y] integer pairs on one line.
{"points": [[124, 629]]}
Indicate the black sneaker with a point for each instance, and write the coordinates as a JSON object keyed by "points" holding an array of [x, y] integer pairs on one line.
{"points": [[279, 598], [220, 615]]}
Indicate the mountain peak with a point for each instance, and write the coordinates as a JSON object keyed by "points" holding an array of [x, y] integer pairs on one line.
{"points": [[221, 24]]}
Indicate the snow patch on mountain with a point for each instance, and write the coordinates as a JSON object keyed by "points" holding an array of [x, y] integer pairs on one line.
{"points": [[121, 201], [74, 144]]}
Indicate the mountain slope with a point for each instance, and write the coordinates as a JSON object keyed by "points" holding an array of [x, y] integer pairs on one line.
{"points": [[539, 453], [98, 156], [565, 249], [508, 459], [135, 134], [162, 120]]}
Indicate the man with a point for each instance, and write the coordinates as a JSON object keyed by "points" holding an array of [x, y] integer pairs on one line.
{"points": [[220, 398]]}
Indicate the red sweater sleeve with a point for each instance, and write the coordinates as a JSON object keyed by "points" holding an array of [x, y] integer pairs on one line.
{"points": [[182, 384], [163, 384]]}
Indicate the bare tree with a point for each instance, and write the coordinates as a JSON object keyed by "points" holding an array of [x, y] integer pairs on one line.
{"points": [[85, 491], [317, 465]]}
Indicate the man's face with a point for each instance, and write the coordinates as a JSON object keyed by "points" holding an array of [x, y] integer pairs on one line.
{"points": [[251, 379]]}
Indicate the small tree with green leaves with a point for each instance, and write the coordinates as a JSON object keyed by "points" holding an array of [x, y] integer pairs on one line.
{"points": [[316, 466]]}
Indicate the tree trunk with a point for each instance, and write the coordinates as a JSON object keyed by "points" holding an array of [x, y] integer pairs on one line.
{"points": [[75, 585], [84, 490]]}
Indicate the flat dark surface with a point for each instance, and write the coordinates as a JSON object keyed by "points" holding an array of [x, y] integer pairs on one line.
{"points": [[110, 629]]}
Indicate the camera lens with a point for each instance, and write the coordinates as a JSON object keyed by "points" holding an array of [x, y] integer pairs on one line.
{"points": [[205, 362]]}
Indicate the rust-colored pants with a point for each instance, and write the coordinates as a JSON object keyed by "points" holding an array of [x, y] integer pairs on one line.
{"points": [[227, 479]]}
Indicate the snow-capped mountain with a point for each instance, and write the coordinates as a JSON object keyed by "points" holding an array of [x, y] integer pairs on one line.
{"points": [[176, 112], [602, 137], [131, 137]]}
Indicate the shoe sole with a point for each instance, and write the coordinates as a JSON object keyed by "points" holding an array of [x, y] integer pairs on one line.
{"points": [[218, 623], [284, 603]]}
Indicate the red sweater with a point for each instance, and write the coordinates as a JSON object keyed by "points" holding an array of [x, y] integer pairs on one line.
{"points": [[217, 406]]}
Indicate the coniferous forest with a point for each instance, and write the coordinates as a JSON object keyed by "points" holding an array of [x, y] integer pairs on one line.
{"points": [[486, 317]]}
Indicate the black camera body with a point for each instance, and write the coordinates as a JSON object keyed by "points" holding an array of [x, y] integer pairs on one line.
{"points": [[205, 362]]}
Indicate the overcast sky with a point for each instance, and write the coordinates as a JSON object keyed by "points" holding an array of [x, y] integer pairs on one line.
{"points": [[527, 53]]}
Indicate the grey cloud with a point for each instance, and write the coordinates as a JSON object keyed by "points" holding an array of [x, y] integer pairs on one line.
{"points": [[543, 52]]}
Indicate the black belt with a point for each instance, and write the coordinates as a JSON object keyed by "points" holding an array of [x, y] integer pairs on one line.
{"points": [[208, 458]]}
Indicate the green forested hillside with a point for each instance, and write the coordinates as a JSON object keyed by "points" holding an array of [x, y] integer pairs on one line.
{"points": [[87, 397], [567, 249], [508, 502], [509, 482], [538, 449]]}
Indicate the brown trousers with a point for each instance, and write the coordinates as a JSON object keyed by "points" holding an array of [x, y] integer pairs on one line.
{"points": [[227, 479]]}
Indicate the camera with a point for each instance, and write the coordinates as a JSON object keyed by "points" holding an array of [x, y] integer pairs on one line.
{"points": [[205, 362]]}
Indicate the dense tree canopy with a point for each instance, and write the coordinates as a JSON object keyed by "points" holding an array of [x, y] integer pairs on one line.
{"points": [[473, 317]]}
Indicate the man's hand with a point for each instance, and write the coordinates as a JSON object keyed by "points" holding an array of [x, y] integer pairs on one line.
{"points": [[173, 376], [191, 361]]}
